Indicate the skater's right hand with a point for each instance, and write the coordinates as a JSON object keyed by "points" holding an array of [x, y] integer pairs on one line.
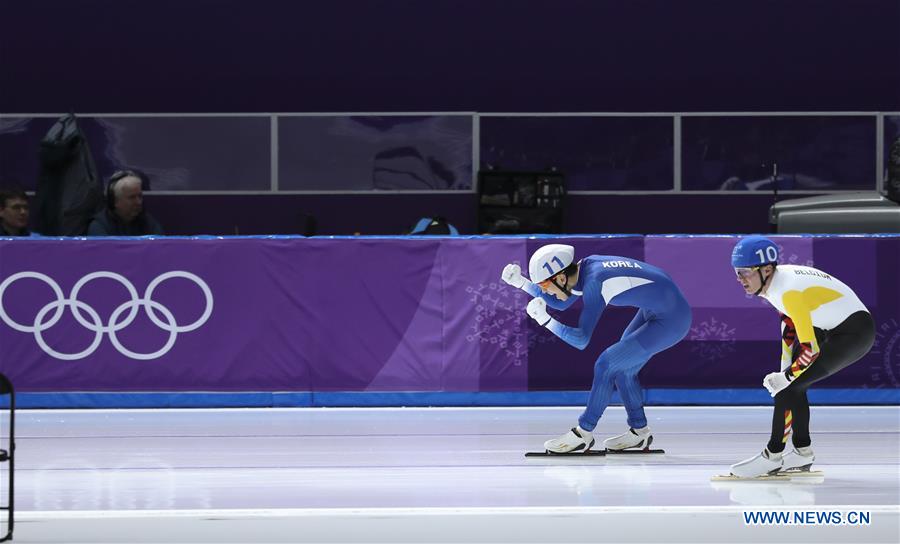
{"points": [[512, 274], [776, 382]]}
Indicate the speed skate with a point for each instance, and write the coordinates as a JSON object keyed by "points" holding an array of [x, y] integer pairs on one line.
{"points": [[592, 453], [784, 475]]}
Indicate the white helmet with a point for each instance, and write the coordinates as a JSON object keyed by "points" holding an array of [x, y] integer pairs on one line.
{"points": [[550, 260]]}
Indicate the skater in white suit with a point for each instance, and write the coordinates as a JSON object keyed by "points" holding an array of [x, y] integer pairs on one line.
{"points": [[825, 328]]}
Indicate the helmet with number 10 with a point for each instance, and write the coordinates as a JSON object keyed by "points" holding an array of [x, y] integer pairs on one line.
{"points": [[754, 251]]}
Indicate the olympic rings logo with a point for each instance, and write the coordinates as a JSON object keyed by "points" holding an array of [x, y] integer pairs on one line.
{"points": [[116, 323]]}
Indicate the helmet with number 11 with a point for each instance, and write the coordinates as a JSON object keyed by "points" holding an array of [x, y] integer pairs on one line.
{"points": [[548, 263]]}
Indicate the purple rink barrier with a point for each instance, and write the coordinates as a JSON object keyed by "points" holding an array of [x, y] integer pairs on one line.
{"points": [[405, 320]]}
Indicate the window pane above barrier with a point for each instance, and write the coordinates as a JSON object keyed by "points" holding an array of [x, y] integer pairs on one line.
{"points": [[596, 153], [19, 141], [891, 158], [812, 153], [375, 153], [176, 153]]}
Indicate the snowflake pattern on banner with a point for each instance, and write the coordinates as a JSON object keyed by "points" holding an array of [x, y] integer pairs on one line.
{"points": [[500, 320], [715, 340], [793, 258], [885, 372]]}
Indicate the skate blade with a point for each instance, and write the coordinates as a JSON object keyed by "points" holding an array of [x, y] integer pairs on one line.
{"points": [[802, 473], [763, 478], [644, 451], [592, 457], [575, 454]]}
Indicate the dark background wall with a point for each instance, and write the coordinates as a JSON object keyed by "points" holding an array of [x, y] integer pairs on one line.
{"points": [[442, 55], [395, 214], [448, 55]]}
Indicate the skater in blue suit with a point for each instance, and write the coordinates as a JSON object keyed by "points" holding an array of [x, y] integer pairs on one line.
{"points": [[663, 318]]}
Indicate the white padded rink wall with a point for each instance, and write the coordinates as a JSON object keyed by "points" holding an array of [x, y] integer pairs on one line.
{"points": [[434, 475]]}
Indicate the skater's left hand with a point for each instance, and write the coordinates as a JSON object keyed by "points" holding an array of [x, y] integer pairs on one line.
{"points": [[775, 382], [537, 309], [809, 352], [512, 274]]}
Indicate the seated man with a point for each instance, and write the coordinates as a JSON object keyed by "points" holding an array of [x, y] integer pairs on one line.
{"points": [[13, 213], [124, 214]]}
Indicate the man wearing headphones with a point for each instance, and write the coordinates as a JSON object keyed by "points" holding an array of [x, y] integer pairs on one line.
{"points": [[124, 214], [663, 318]]}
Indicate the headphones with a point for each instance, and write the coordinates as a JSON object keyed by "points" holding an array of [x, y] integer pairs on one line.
{"points": [[111, 185]]}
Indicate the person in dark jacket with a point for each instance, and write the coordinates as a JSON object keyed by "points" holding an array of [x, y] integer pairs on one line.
{"points": [[124, 214], [13, 213], [893, 173]]}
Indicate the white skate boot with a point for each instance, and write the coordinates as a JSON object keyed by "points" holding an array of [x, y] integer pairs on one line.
{"points": [[638, 439], [799, 460], [576, 440], [762, 464]]}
